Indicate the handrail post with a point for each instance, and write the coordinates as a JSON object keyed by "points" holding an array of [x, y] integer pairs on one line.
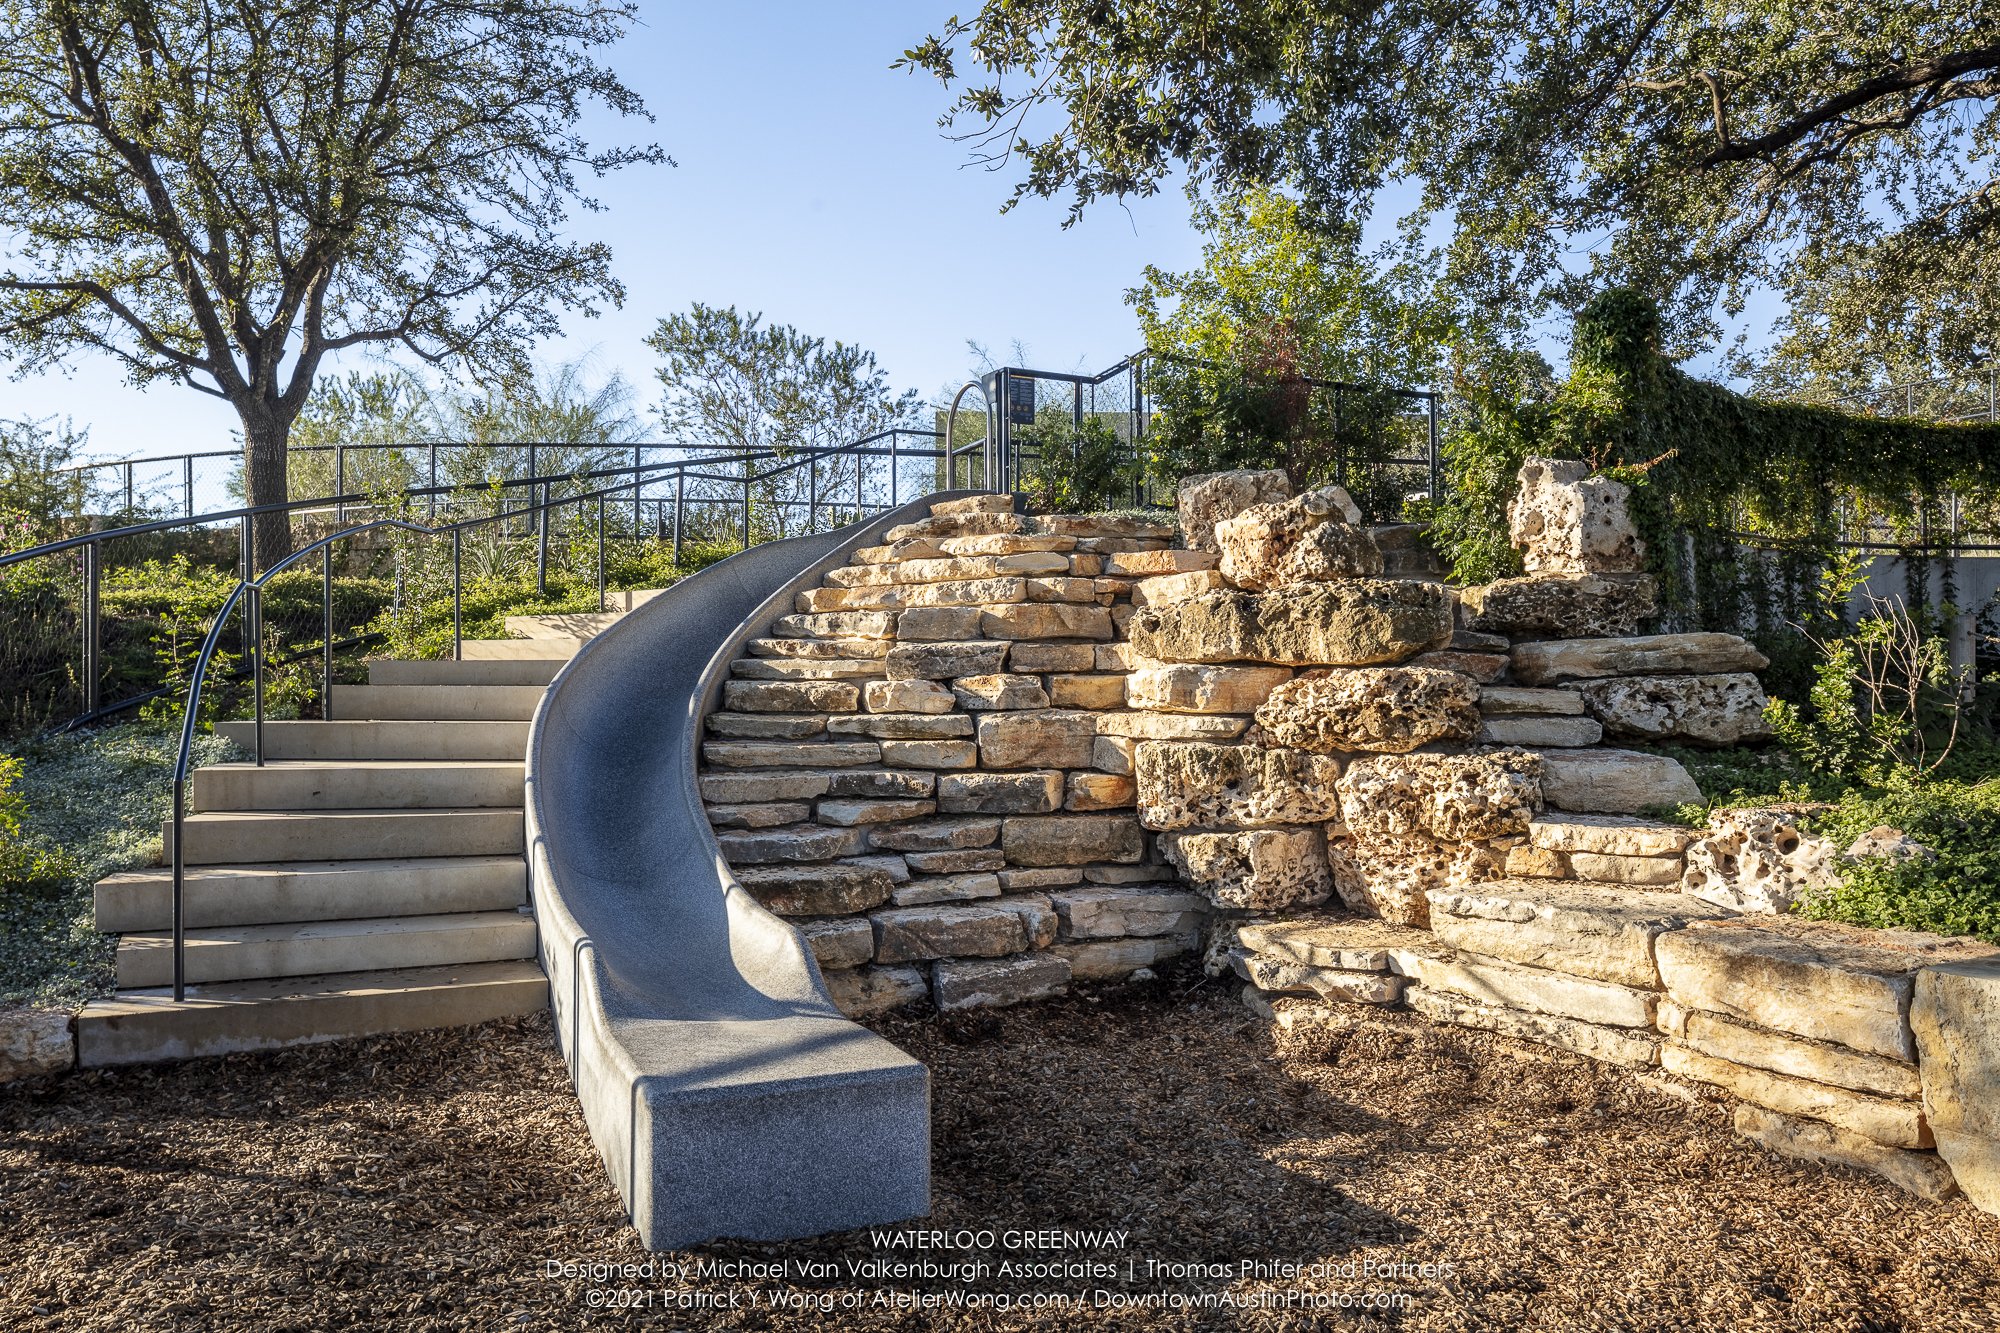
{"points": [[895, 437], [340, 483], [254, 607], [746, 504], [812, 493], [243, 540], [432, 510], [600, 553], [180, 889], [542, 541], [92, 629], [187, 484], [326, 633], [457, 596], [638, 488], [680, 503], [1437, 463], [859, 458], [128, 488]]}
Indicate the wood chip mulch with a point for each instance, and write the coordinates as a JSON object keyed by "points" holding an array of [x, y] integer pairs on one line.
{"points": [[424, 1182]]}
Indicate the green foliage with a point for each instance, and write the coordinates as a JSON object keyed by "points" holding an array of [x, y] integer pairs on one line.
{"points": [[1076, 469], [37, 496], [1955, 892], [24, 867]]}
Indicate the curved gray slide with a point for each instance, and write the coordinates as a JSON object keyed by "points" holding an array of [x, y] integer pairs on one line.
{"points": [[726, 1093]]}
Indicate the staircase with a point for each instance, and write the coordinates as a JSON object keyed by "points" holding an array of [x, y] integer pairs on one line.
{"points": [[368, 878]]}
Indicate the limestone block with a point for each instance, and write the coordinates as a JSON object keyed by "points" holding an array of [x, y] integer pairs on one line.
{"points": [[1759, 860], [1347, 944], [789, 696], [1171, 726], [1530, 862], [1108, 911], [1262, 870], [1071, 840], [1100, 526], [957, 984], [1359, 622], [1032, 793], [765, 726], [1568, 606], [966, 567], [847, 814], [1035, 739], [1310, 538], [837, 625], [905, 596], [986, 693], [1116, 755], [1566, 733], [975, 504], [801, 842], [880, 783], [1897, 1124], [1016, 880], [820, 649], [1391, 709], [1100, 791], [786, 668], [1162, 589], [1609, 835], [820, 890], [1955, 1014], [910, 934], [1554, 660], [1092, 567], [957, 861], [901, 726], [1538, 990], [936, 835], [932, 624], [958, 525], [1045, 620], [1608, 934], [1821, 1062], [999, 543], [1565, 521], [1146, 564], [1441, 797], [1087, 691], [1890, 844], [838, 942], [1082, 593], [1109, 960], [1186, 784], [759, 814], [784, 754], [1270, 975], [1391, 877], [1714, 710], [747, 788], [1039, 657], [889, 863], [906, 696], [1202, 689], [1614, 782], [961, 887], [1618, 1046], [1484, 668], [910, 548], [34, 1043], [865, 992], [1207, 498], [1658, 872], [930, 754], [943, 660], [1918, 1173], [1517, 700]]}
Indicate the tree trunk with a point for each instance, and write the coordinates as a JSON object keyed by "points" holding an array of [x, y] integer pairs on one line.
{"points": [[265, 440]]}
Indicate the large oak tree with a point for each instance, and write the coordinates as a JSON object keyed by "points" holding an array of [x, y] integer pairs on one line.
{"points": [[222, 193]]}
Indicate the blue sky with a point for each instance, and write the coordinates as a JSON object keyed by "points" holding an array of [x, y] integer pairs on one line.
{"points": [[813, 185]]}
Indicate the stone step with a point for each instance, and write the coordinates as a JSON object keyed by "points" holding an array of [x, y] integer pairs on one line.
{"points": [[135, 1027], [1610, 835], [438, 703], [315, 948], [539, 649], [384, 740], [246, 837], [575, 624], [243, 895], [798, 668], [358, 784], [523, 671]]}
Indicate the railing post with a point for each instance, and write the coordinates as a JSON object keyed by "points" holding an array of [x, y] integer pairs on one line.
{"points": [[746, 506], [128, 488], [92, 630], [638, 489], [600, 553], [535, 516], [326, 633], [180, 889], [812, 493], [1437, 463], [254, 608], [680, 502], [340, 483], [895, 437], [243, 540], [457, 596], [858, 499], [541, 541], [432, 511], [187, 485]]}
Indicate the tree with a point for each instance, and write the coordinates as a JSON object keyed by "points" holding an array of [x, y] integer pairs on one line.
{"points": [[223, 195], [733, 384], [1690, 150]]}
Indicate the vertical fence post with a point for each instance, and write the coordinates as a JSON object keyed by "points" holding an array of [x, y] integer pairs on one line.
{"points": [[340, 482], [600, 553], [812, 493], [1437, 463], [92, 628], [534, 516], [432, 511], [541, 541], [326, 632], [254, 607], [243, 568], [859, 500], [638, 489], [680, 501], [187, 484], [457, 595], [895, 438], [746, 505], [128, 488]]}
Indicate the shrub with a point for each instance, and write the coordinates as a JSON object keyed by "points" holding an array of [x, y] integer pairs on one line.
{"points": [[1954, 892], [1077, 468]]}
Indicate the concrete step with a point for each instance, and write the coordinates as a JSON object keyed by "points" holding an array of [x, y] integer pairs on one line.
{"points": [[358, 784], [384, 740], [572, 625], [441, 703], [249, 837], [135, 1027], [247, 895], [313, 948], [517, 650], [403, 671]]}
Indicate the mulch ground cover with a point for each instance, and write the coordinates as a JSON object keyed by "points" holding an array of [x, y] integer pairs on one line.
{"points": [[1457, 1181]]}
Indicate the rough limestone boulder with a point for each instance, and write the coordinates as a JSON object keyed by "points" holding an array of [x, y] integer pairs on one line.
{"points": [[34, 1042], [1207, 498], [1186, 784], [1310, 539], [1717, 710], [1389, 709], [1565, 521], [1955, 1014], [1645, 655], [1442, 798], [1759, 860], [1262, 870], [1390, 878], [1565, 606], [1614, 782], [1361, 622]]}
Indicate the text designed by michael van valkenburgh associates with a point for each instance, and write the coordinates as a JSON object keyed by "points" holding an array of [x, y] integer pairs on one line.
{"points": [[999, 1269]]}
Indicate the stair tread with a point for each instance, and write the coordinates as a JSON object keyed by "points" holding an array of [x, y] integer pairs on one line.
{"points": [[254, 869], [158, 1001], [223, 936], [406, 812], [362, 765]]}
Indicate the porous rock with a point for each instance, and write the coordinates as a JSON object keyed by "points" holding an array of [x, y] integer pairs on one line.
{"points": [[1565, 521], [1955, 1015], [1614, 782], [1310, 538], [1207, 498], [1387, 709], [1359, 622], [1759, 860], [1713, 710], [1260, 870], [1561, 605], [1185, 784], [1391, 878], [1554, 660], [1441, 797]]}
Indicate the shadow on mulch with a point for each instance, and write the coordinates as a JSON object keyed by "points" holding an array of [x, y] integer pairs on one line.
{"points": [[427, 1181]]}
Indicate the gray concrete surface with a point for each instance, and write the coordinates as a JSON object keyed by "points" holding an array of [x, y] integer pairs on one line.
{"points": [[726, 1094]]}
